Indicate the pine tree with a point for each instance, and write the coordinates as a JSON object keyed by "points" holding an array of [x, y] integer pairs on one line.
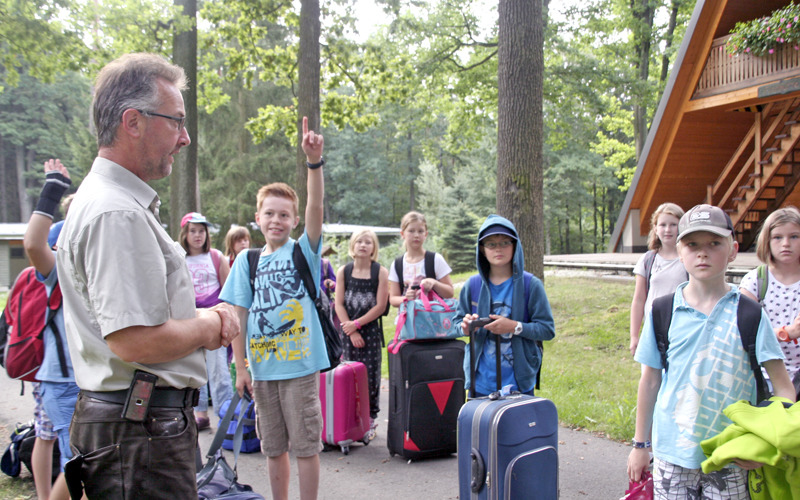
{"points": [[459, 240]]}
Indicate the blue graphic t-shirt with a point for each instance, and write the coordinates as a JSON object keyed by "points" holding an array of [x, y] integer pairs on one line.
{"points": [[284, 337], [486, 383]]}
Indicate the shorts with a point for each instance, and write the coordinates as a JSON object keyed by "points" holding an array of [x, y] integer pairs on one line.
{"points": [[673, 482], [289, 411], [42, 425], [59, 400]]}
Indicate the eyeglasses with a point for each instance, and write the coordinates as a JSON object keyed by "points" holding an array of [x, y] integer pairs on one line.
{"points": [[180, 119], [500, 244]]}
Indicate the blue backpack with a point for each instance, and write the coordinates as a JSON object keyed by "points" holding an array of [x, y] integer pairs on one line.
{"points": [[474, 285]]}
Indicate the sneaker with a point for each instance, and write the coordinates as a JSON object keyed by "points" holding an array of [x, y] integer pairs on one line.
{"points": [[372, 433]]}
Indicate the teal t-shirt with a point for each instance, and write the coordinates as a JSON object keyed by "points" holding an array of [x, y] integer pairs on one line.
{"points": [[284, 337], [486, 378]]}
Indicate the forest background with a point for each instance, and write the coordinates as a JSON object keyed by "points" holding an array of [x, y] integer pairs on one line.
{"points": [[408, 105]]}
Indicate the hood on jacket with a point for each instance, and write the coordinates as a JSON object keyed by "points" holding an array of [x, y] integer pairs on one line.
{"points": [[517, 261]]}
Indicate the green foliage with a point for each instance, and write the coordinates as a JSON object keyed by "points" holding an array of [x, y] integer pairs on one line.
{"points": [[37, 38], [460, 238], [763, 36]]}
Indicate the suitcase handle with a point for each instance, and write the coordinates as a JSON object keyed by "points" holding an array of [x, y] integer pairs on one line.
{"points": [[474, 325], [478, 470]]}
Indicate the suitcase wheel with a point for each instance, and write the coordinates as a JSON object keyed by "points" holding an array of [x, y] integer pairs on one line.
{"points": [[345, 449]]}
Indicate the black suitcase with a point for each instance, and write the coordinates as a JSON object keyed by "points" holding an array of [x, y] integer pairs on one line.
{"points": [[426, 392]]}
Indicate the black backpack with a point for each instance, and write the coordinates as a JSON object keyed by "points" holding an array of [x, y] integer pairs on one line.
{"points": [[748, 317]]}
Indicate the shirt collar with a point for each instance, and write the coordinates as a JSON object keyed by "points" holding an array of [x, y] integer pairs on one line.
{"points": [[140, 190], [680, 301]]}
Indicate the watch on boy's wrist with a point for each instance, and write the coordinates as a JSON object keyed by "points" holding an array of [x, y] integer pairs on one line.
{"points": [[314, 166], [518, 328], [640, 444]]}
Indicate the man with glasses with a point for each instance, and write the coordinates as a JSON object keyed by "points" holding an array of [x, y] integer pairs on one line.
{"points": [[134, 334]]}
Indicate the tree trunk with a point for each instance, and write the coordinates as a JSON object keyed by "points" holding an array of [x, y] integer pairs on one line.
{"points": [[184, 183], [5, 185], [643, 13], [519, 127], [668, 37], [25, 208], [412, 191], [308, 93]]}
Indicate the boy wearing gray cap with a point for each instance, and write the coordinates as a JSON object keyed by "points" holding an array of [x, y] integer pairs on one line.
{"points": [[708, 369]]}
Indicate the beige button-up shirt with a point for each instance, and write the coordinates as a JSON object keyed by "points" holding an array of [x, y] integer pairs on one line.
{"points": [[118, 268]]}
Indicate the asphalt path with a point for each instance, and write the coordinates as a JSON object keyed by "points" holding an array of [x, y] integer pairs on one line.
{"points": [[590, 467]]}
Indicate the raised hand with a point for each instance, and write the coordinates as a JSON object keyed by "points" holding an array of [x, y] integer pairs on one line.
{"points": [[313, 143]]}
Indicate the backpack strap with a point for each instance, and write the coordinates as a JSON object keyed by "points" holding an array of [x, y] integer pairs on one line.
{"points": [[430, 264], [54, 303], [398, 268], [374, 274], [348, 271], [762, 282], [649, 258], [474, 284], [662, 317], [215, 256], [253, 254], [748, 317], [301, 264]]}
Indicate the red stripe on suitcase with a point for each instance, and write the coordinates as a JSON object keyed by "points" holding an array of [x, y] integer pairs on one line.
{"points": [[408, 444], [441, 393]]}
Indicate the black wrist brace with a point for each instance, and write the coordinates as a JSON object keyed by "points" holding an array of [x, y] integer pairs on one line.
{"points": [[55, 185]]}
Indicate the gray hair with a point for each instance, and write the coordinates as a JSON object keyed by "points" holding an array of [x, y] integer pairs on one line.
{"points": [[129, 82]]}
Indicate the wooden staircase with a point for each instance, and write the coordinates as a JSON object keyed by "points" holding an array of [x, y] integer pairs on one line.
{"points": [[763, 179]]}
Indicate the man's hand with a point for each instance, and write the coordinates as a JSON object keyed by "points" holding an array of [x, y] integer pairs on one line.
{"points": [[313, 143], [230, 328]]}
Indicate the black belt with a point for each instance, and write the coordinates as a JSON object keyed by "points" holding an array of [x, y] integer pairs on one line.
{"points": [[164, 397]]}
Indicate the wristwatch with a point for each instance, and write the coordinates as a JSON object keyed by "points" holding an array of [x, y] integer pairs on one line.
{"points": [[640, 444], [518, 328]]}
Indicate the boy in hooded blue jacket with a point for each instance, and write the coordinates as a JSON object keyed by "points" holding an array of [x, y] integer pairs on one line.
{"points": [[520, 312]]}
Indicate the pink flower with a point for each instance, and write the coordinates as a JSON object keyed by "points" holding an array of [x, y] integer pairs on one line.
{"points": [[771, 51], [748, 49], [789, 26]]}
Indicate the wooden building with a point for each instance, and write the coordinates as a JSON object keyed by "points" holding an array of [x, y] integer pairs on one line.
{"points": [[726, 130]]}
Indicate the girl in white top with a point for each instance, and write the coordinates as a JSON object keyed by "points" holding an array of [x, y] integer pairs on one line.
{"points": [[209, 270], [667, 271], [414, 231], [778, 247]]}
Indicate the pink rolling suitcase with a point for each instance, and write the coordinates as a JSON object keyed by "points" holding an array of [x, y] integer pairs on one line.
{"points": [[344, 394]]}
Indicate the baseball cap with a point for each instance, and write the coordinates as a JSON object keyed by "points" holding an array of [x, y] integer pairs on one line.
{"points": [[497, 229], [705, 218], [55, 230], [195, 217]]}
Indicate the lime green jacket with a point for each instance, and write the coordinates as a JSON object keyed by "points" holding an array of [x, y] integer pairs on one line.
{"points": [[768, 434]]}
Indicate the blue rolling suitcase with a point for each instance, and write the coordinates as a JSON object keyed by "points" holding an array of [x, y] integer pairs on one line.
{"points": [[507, 445]]}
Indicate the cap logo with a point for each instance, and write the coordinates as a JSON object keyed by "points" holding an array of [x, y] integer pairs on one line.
{"points": [[700, 216]]}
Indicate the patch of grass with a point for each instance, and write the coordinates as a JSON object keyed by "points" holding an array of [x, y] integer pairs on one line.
{"points": [[588, 371]]}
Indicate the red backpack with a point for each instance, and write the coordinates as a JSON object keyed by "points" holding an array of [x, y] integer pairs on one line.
{"points": [[25, 316]]}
